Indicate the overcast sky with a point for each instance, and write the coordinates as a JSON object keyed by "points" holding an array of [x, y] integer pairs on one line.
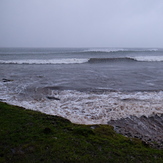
{"points": [[81, 23]]}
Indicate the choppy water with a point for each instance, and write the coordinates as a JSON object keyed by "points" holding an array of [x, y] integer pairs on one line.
{"points": [[93, 85]]}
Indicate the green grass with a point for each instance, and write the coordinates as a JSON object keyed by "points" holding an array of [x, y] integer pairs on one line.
{"points": [[30, 136]]}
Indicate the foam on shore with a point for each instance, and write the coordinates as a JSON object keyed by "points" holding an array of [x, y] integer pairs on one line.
{"points": [[94, 108]]}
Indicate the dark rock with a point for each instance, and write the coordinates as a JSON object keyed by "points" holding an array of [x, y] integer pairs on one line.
{"points": [[7, 80], [148, 129], [52, 98], [2, 100]]}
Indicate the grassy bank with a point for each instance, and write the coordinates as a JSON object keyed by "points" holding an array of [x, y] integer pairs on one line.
{"points": [[29, 136]]}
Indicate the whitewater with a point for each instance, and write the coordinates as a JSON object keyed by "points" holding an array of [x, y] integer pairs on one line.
{"points": [[84, 85]]}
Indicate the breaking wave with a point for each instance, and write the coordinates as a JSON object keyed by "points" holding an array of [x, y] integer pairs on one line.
{"points": [[128, 59], [48, 61], [97, 60], [118, 50], [85, 60], [104, 50], [149, 58]]}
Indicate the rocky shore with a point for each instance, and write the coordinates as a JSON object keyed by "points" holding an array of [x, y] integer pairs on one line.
{"points": [[148, 129]]}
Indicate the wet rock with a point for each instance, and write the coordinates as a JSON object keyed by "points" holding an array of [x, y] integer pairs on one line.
{"points": [[2, 100], [148, 129], [6, 80], [52, 98]]}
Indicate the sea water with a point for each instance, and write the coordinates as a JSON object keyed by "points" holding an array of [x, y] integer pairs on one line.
{"points": [[84, 85]]}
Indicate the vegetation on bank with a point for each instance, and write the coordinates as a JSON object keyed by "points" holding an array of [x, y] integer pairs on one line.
{"points": [[30, 136]]}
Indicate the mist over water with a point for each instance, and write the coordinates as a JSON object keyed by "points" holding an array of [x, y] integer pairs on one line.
{"points": [[81, 23]]}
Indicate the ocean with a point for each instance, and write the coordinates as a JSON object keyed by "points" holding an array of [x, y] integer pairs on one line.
{"points": [[84, 85]]}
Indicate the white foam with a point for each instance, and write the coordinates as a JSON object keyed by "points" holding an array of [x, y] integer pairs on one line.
{"points": [[153, 49], [107, 50], [148, 58], [48, 61], [104, 50], [92, 108], [4, 92]]}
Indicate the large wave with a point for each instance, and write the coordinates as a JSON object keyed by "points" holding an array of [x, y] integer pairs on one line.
{"points": [[128, 59], [85, 60]]}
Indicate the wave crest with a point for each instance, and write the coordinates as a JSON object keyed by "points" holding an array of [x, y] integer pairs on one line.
{"points": [[104, 50], [149, 58], [49, 61], [128, 59], [85, 60], [111, 50]]}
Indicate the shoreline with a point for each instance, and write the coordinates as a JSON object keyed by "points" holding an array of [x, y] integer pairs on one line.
{"points": [[31, 136], [91, 108], [149, 129]]}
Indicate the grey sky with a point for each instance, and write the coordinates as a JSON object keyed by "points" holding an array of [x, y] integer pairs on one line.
{"points": [[81, 23]]}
